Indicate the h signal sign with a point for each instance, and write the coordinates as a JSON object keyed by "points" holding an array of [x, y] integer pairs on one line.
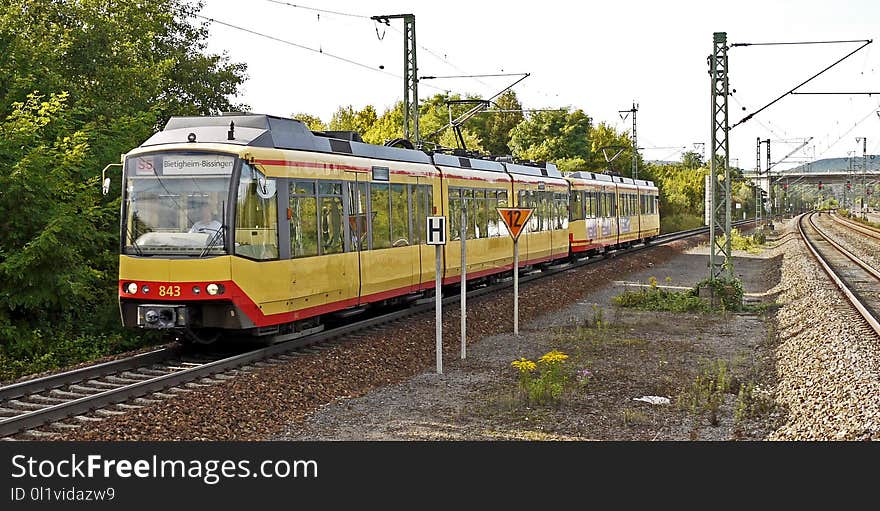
{"points": [[515, 219], [436, 230]]}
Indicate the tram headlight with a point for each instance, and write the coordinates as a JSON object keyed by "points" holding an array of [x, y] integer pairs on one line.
{"points": [[145, 289], [212, 289], [132, 288], [196, 290]]}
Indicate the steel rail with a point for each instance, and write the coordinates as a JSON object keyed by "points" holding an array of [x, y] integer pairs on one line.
{"points": [[53, 413], [864, 229], [54, 381], [841, 285]]}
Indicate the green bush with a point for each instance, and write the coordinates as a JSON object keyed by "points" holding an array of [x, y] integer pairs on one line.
{"points": [[654, 298], [543, 382], [29, 352], [728, 292]]}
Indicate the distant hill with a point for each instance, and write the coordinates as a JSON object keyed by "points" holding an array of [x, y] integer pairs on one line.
{"points": [[836, 164]]}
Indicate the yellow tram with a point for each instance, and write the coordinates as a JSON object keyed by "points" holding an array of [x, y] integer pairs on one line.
{"points": [[256, 224]]}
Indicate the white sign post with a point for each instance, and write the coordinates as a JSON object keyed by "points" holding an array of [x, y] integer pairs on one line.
{"points": [[463, 299], [437, 237], [707, 202], [515, 219]]}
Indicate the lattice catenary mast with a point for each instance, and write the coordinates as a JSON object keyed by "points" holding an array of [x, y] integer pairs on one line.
{"points": [[410, 75], [720, 260]]}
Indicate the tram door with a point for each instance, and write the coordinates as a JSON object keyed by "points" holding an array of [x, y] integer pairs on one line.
{"points": [[389, 261], [357, 228], [421, 207]]}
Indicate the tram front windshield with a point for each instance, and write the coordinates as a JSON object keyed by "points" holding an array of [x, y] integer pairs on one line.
{"points": [[176, 204]]}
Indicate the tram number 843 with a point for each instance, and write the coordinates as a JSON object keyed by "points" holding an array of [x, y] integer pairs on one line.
{"points": [[172, 291]]}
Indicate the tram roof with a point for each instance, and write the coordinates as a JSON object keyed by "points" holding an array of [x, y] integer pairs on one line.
{"points": [[261, 130]]}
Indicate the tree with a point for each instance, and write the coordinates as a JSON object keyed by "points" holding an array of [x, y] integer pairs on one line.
{"points": [[493, 129], [692, 160], [82, 82], [313, 122], [349, 119], [552, 136], [604, 139], [433, 115]]}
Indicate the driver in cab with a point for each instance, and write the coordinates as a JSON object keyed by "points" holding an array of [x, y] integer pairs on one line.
{"points": [[206, 223]]}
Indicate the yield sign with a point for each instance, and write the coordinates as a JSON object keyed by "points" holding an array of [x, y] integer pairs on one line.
{"points": [[515, 219]]}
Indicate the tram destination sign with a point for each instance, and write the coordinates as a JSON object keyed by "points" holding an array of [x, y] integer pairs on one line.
{"points": [[515, 219]]}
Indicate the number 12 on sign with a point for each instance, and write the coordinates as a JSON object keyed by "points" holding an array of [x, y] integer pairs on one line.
{"points": [[515, 219]]}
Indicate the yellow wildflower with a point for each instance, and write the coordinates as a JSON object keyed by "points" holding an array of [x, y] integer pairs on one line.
{"points": [[524, 365], [553, 357]]}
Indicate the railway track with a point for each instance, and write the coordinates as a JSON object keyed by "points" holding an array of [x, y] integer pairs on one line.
{"points": [[68, 399], [855, 226], [856, 279]]}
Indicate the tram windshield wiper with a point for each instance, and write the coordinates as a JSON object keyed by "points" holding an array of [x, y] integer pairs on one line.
{"points": [[134, 244], [212, 241]]}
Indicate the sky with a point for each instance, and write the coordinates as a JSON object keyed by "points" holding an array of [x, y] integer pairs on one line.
{"points": [[600, 57]]}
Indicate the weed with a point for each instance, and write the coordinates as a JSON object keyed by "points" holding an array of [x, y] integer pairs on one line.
{"points": [[598, 318], [727, 291], [706, 393], [654, 298], [634, 417], [751, 244], [752, 401], [544, 381]]}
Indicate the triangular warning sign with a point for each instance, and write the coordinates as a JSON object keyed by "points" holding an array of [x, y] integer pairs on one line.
{"points": [[515, 219]]}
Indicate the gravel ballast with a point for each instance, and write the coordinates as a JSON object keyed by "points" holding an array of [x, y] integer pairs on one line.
{"points": [[809, 355], [262, 400]]}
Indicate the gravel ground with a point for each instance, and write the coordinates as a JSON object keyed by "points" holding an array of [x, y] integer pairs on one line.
{"points": [[815, 376], [260, 402], [634, 354], [828, 365], [860, 244]]}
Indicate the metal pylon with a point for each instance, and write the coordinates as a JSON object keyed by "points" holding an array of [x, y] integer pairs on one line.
{"points": [[410, 79], [720, 260], [410, 75]]}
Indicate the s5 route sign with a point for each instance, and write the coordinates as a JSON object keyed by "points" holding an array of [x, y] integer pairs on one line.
{"points": [[515, 219]]}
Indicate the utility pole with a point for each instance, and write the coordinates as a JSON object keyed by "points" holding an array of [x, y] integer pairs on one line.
{"points": [[864, 141], [770, 195], [635, 143], [719, 154], [758, 181], [410, 75]]}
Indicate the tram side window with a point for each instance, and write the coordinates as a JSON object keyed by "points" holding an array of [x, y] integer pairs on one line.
{"points": [[467, 198], [399, 216], [454, 214], [491, 214], [357, 216], [414, 205], [303, 219], [561, 211], [256, 219], [577, 205], [331, 232], [380, 208], [427, 194], [533, 202], [482, 220]]}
